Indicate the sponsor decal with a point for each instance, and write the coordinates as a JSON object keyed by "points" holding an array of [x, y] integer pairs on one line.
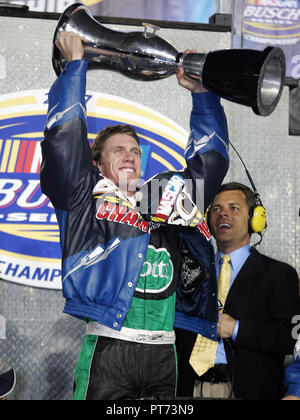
{"points": [[193, 273], [156, 277], [204, 229], [110, 208], [168, 198], [176, 207], [276, 23], [29, 247]]}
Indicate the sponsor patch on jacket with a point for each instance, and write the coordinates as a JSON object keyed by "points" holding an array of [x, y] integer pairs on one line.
{"points": [[177, 208], [193, 273], [118, 210], [204, 229], [168, 199]]}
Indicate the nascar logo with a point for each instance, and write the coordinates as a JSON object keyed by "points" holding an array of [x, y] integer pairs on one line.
{"points": [[29, 248], [169, 196]]}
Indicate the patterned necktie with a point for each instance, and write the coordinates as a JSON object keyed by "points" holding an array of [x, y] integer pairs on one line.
{"points": [[204, 352]]}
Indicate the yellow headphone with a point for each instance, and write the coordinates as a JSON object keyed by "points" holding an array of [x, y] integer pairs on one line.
{"points": [[258, 221]]}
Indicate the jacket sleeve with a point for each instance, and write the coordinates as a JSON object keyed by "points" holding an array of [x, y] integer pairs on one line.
{"points": [[66, 154], [292, 375], [206, 154]]}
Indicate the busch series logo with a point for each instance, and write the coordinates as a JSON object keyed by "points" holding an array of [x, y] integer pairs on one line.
{"points": [[276, 23], [29, 235], [286, 11]]}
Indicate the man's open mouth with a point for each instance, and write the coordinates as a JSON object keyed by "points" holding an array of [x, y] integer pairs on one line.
{"points": [[224, 226]]}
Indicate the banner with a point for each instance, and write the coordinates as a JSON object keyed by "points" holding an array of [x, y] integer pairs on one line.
{"points": [[29, 235], [270, 22], [197, 11]]}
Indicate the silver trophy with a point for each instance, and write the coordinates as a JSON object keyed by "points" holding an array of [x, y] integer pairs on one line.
{"points": [[248, 77]]}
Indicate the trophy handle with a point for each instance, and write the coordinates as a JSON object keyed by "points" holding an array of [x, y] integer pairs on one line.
{"points": [[149, 26]]}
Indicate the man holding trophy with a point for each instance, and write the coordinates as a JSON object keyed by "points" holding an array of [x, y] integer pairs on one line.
{"points": [[129, 350], [127, 250]]}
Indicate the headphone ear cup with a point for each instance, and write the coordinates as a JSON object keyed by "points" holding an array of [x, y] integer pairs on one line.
{"points": [[258, 221]]}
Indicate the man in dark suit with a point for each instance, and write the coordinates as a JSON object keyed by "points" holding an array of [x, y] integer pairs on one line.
{"points": [[255, 325]]}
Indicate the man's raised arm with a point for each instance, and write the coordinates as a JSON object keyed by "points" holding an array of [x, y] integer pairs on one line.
{"points": [[65, 149]]}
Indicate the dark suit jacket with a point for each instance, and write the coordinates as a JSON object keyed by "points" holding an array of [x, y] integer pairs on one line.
{"points": [[264, 298]]}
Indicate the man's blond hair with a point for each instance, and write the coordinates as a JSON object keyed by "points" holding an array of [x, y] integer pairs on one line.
{"points": [[105, 134]]}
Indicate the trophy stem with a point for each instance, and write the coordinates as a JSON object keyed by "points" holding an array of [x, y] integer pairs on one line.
{"points": [[193, 64]]}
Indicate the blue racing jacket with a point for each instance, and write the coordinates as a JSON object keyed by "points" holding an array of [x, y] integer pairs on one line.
{"points": [[292, 375], [104, 238]]}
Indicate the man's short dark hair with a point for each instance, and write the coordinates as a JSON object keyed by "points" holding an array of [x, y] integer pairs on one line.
{"points": [[106, 133], [237, 186]]}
